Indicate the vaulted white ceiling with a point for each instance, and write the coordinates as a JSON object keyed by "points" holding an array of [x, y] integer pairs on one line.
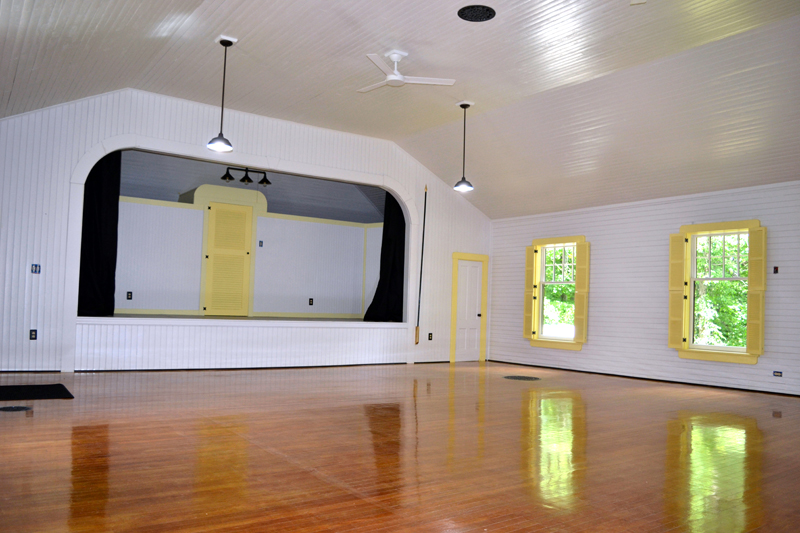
{"points": [[578, 102]]}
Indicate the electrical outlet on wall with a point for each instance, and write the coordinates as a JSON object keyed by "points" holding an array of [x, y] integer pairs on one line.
{"points": [[430, 336], [32, 335], [311, 301], [129, 295]]}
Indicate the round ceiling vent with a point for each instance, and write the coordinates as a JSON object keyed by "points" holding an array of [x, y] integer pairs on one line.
{"points": [[476, 13]]}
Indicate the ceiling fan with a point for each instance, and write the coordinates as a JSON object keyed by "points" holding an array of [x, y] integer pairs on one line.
{"points": [[394, 78]]}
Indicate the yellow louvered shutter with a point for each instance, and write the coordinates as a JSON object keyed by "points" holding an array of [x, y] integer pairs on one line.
{"points": [[756, 285], [581, 290], [228, 264], [527, 328], [677, 286]]}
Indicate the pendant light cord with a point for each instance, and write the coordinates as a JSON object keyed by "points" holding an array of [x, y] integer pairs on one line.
{"points": [[464, 146], [222, 108]]}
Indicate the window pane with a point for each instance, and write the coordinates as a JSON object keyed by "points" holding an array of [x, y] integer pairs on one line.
{"points": [[720, 313], [549, 255], [558, 273], [548, 273], [702, 266], [731, 256], [569, 273], [558, 311], [558, 255]]}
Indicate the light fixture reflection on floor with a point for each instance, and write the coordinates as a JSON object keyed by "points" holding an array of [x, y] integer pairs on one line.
{"points": [[220, 143], [463, 185], [246, 179]]}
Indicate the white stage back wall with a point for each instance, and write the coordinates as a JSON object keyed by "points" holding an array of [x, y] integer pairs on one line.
{"points": [[40, 222], [159, 257]]}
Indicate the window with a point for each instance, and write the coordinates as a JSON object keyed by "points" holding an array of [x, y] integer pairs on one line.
{"points": [[717, 277], [556, 292]]}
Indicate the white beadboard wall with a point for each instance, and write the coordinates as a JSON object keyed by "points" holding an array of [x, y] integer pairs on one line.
{"points": [[159, 257], [40, 223], [628, 287], [302, 260]]}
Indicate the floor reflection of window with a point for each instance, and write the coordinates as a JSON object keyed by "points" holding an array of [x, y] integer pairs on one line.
{"points": [[554, 446], [714, 472]]}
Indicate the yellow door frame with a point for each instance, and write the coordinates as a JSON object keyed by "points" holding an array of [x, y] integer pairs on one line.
{"points": [[454, 301]]}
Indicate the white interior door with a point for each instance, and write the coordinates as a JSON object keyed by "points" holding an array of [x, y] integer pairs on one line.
{"points": [[468, 307]]}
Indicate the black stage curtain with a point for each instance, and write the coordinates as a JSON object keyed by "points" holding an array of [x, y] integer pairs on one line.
{"points": [[99, 241], [387, 305]]}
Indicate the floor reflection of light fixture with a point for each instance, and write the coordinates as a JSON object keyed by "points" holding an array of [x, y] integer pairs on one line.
{"points": [[463, 185], [246, 179], [220, 143]]}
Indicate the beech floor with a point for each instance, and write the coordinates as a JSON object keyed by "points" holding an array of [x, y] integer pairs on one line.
{"points": [[427, 447]]}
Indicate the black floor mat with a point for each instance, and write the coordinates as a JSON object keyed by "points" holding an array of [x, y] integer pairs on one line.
{"points": [[13, 393]]}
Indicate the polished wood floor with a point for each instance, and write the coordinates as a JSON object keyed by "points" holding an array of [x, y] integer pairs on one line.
{"points": [[428, 448]]}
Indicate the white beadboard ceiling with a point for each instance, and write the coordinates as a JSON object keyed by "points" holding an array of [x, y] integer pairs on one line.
{"points": [[578, 102]]}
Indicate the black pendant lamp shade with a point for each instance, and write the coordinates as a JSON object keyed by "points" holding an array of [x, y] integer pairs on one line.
{"points": [[463, 185], [227, 177], [246, 179], [220, 143], [264, 181]]}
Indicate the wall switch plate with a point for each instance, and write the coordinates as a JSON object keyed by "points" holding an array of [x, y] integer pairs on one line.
{"points": [[777, 374], [774, 270], [36, 269], [430, 336], [260, 244], [129, 295], [311, 301], [32, 335]]}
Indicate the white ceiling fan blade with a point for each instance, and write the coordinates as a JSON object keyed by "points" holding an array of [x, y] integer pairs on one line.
{"points": [[375, 86], [429, 81], [380, 63]]}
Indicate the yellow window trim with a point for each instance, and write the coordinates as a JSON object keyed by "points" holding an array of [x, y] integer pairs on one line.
{"points": [[560, 345], [558, 240], [537, 244], [720, 227], [721, 357], [680, 312], [454, 301]]}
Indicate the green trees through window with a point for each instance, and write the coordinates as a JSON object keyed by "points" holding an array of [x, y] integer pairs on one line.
{"points": [[719, 295], [558, 294]]}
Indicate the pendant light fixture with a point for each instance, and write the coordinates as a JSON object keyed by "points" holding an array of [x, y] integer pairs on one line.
{"points": [[246, 179], [220, 143], [463, 185]]}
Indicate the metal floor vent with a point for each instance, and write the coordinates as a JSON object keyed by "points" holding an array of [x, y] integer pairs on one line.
{"points": [[523, 378], [14, 408]]}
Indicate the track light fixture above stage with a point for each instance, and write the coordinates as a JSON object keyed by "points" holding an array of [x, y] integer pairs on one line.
{"points": [[246, 179]]}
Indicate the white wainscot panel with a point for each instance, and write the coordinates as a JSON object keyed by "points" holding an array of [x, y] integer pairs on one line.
{"points": [[166, 344]]}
